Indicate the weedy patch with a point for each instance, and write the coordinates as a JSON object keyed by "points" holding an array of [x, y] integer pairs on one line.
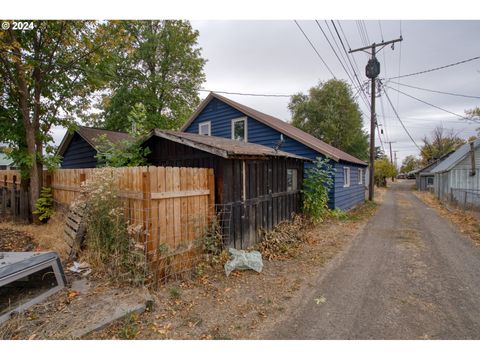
{"points": [[129, 328], [175, 292]]}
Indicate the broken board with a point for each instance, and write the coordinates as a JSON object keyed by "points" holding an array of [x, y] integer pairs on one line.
{"points": [[74, 229]]}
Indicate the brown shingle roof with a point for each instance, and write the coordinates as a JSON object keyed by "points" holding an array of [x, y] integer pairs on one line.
{"points": [[223, 147], [90, 134], [281, 126]]}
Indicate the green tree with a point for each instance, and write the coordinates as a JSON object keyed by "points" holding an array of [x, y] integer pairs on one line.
{"points": [[330, 113], [123, 153], [383, 170], [410, 163], [159, 71], [440, 143], [46, 77]]}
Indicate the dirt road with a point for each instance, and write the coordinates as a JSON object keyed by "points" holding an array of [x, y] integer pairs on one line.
{"points": [[408, 275]]}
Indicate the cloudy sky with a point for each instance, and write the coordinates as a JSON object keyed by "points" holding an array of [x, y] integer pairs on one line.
{"points": [[273, 57]]}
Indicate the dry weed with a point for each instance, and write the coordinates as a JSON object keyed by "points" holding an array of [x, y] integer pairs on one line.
{"points": [[284, 240], [47, 237]]}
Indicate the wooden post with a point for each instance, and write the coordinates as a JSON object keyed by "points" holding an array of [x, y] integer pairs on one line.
{"points": [[211, 196], [48, 180], [147, 201], [13, 199]]}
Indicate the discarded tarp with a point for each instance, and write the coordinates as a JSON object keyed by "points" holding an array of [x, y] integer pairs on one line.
{"points": [[243, 260]]}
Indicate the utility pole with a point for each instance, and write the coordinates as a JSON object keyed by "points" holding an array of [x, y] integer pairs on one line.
{"points": [[372, 70], [391, 157]]}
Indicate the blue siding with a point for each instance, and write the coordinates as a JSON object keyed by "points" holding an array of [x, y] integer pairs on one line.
{"points": [[220, 116], [79, 154], [348, 197]]}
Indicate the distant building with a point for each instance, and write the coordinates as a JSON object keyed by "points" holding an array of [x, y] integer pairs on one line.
{"points": [[425, 178], [458, 174], [6, 163], [78, 149]]}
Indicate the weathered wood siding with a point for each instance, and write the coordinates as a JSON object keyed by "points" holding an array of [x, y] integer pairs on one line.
{"points": [[253, 192]]}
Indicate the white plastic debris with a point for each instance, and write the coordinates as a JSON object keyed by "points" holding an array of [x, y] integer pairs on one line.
{"points": [[243, 260], [79, 267]]}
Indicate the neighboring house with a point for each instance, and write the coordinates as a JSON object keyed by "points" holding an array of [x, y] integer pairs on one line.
{"points": [[256, 187], [425, 178], [6, 163], [222, 117], [458, 174], [78, 149]]}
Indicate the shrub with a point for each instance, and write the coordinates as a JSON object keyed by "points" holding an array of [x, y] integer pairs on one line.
{"points": [[111, 243], [44, 205], [316, 186]]}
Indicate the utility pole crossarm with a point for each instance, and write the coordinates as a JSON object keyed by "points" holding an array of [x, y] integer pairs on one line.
{"points": [[383, 43]]}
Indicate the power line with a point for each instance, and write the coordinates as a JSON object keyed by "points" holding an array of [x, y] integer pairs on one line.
{"points": [[436, 91], [348, 57], [381, 30], [437, 68], [246, 94], [338, 57], [314, 48], [365, 30], [427, 103], [346, 39], [401, 122]]}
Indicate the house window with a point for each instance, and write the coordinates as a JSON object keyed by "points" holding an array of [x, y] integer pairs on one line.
{"points": [[204, 128], [239, 129], [291, 179], [430, 180], [346, 176], [360, 176]]}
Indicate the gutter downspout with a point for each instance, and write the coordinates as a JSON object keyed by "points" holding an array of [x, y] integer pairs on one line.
{"points": [[472, 158]]}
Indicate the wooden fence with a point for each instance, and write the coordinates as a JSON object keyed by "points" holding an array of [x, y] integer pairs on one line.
{"points": [[172, 206], [14, 200]]}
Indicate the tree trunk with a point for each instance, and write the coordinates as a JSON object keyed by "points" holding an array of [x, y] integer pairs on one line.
{"points": [[35, 179]]}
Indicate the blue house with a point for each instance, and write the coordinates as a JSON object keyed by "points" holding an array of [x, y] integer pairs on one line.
{"points": [[78, 149], [222, 117]]}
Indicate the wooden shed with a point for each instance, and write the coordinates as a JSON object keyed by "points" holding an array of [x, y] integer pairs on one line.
{"points": [[256, 187]]}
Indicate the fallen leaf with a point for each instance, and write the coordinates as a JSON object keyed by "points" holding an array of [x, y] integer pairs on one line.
{"points": [[320, 300], [73, 293]]}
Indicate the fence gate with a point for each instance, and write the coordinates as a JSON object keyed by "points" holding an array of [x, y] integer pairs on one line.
{"points": [[14, 201]]}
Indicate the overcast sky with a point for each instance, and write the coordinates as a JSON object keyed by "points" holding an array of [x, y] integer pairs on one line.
{"points": [[273, 57]]}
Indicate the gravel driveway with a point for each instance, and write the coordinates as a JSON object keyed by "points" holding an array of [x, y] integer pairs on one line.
{"points": [[409, 275]]}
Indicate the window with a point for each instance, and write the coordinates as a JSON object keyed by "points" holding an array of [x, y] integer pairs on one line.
{"points": [[239, 129], [346, 176], [360, 176], [291, 179], [204, 128], [430, 180]]}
